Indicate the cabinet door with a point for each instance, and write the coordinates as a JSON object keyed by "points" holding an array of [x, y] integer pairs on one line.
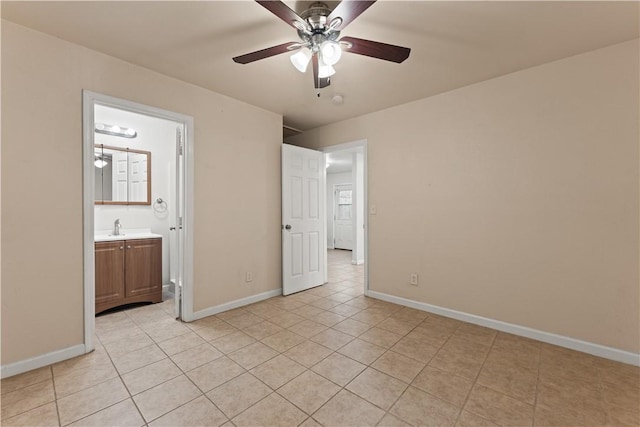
{"points": [[143, 266], [109, 271]]}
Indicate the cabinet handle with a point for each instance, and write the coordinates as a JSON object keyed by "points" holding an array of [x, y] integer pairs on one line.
{"points": [[128, 247], [121, 247]]}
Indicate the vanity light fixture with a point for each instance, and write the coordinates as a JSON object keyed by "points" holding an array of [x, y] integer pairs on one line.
{"points": [[115, 130]]}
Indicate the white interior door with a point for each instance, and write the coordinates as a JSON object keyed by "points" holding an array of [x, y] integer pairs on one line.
{"points": [[343, 217], [119, 177], [137, 177], [303, 219]]}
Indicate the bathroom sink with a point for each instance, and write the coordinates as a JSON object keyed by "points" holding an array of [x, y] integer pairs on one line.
{"points": [[125, 234]]}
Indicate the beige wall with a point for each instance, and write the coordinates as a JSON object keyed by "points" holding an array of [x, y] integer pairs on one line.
{"points": [[514, 199], [237, 186]]}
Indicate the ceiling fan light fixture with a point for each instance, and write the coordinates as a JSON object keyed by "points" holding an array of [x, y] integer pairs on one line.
{"points": [[301, 59], [331, 52], [319, 28], [325, 71]]}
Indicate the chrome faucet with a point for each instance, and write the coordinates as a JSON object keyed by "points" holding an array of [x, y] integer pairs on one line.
{"points": [[116, 227]]}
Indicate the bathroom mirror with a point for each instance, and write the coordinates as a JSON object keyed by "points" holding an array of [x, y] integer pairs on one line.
{"points": [[123, 176]]}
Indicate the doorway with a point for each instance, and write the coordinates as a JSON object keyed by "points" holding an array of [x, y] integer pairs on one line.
{"points": [[165, 207], [308, 215], [346, 184]]}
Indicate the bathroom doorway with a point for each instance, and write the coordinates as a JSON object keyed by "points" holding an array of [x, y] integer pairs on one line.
{"points": [[138, 181]]}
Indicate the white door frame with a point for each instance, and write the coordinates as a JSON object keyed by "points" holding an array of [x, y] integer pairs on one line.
{"points": [[89, 100], [347, 146]]}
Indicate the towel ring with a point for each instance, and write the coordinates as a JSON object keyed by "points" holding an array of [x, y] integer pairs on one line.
{"points": [[160, 204]]}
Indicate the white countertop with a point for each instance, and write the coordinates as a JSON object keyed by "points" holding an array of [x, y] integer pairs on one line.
{"points": [[125, 234]]}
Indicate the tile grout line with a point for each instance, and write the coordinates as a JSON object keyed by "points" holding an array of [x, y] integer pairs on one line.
{"points": [[410, 384], [366, 367], [141, 367], [124, 384], [184, 373], [55, 395], [203, 394], [535, 396], [267, 385], [425, 367], [246, 371], [94, 385], [306, 369], [31, 385], [475, 380]]}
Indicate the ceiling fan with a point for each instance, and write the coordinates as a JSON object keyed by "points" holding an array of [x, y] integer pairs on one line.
{"points": [[319, 29]]}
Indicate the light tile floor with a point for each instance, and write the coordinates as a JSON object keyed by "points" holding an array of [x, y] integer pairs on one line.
{"points": [[328, 356]]}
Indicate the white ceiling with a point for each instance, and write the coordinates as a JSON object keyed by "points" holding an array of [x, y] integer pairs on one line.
{"points": [[453, 44]]}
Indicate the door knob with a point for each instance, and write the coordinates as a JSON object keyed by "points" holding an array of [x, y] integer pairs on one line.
{"points": [[287, 227]]}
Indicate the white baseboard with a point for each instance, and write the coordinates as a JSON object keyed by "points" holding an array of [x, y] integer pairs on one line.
{"points": [[43, 360], [235, 304], [559, 340]]}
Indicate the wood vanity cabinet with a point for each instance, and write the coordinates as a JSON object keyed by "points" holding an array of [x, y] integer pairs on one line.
{"points": [[128, 271], [109, 274]]}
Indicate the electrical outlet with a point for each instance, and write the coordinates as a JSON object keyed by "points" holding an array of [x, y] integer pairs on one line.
{"points": [[414, 279], [248, 277], [372, 210]]}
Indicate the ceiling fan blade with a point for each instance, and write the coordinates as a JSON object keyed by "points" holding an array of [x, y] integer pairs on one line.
{"points": [[318, 82], [385, 51], [348, 10], [266, 53], [283, 12]]}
